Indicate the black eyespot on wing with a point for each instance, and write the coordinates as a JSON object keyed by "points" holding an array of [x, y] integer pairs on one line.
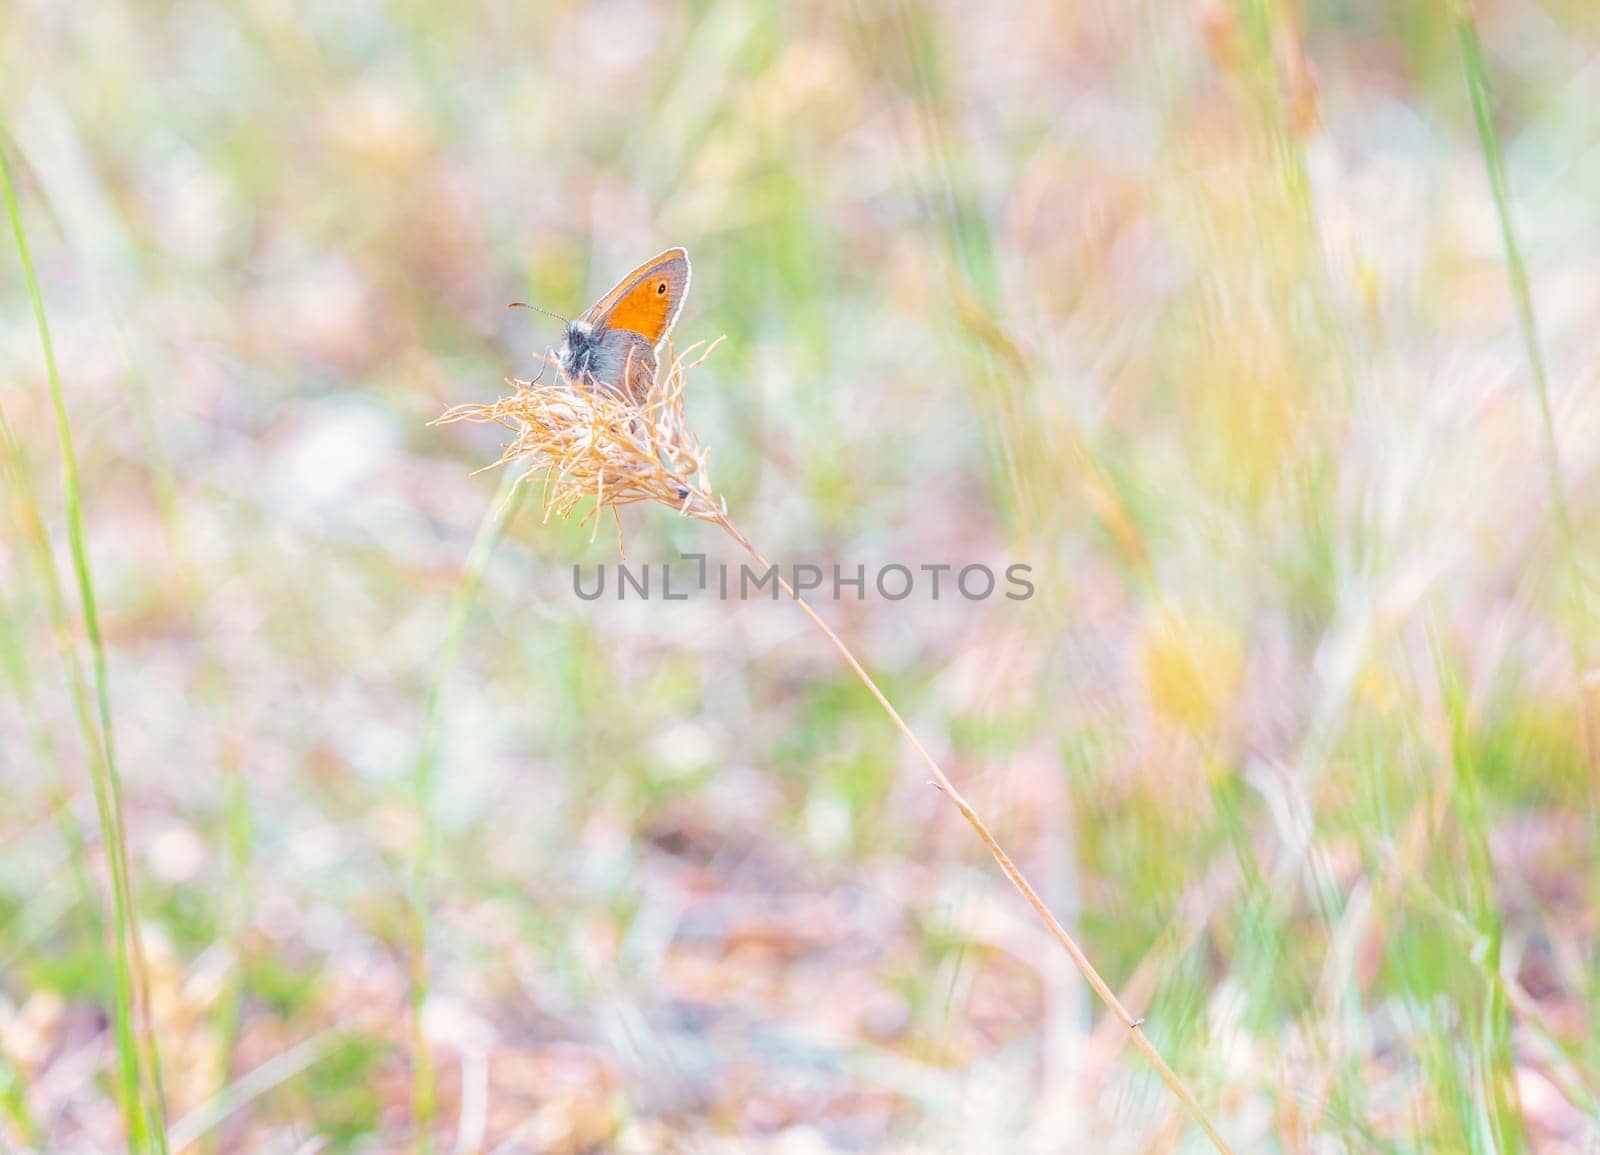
{"points": [[661, 288]]}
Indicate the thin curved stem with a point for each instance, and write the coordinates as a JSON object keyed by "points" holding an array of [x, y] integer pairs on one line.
{"points": [[942, 781]]}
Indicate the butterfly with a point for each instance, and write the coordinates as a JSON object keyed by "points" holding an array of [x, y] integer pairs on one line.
{"points": [[614, 343]]}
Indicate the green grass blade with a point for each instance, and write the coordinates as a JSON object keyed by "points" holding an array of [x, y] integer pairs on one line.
{"points": [[141, 1101], [1477, 76], [1571, 562], [19, 673]]}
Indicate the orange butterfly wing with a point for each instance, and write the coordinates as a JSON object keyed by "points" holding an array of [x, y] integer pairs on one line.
{"points": [[647, 301]]}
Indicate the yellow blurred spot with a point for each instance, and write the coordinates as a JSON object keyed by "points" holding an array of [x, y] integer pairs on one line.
{"points": [[1375, 689], [1369, 286], [1192, 664]]}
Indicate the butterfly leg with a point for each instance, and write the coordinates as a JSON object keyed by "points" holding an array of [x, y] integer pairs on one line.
{"points": [[549, 355]]}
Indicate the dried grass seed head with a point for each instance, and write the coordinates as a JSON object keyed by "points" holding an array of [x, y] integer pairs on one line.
{"points": [[584, 439]]}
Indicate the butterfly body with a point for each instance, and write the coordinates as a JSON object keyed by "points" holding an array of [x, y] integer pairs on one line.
{"points": [[613, 357], [614, 343]]}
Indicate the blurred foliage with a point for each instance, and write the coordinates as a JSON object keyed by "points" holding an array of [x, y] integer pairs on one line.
{"points": [[1200, 308]]}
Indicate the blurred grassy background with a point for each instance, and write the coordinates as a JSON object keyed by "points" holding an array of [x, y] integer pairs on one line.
{"points": [[1202, 309]]}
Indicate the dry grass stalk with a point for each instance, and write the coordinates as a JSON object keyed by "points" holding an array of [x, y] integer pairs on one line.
{"points": [[590, 441], [586, 440]]}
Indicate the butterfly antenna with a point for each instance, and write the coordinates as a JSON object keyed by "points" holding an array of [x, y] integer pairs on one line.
{"points": [[538, 309], [549, 352]]}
